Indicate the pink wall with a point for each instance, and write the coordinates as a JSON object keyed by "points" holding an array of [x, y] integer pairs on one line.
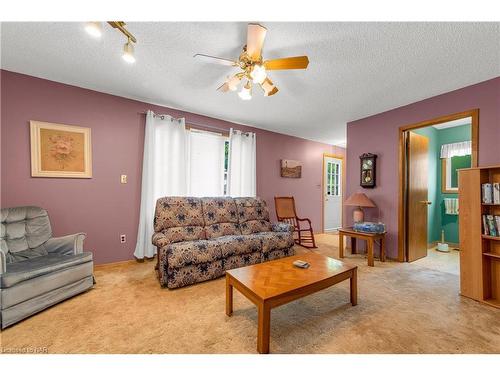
{"points": [[101, 206], [379, 135]]}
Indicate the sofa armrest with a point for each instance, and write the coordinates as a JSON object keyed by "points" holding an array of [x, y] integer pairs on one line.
{"points": [[282, 227], [66, 245], [160, 240], [3, 262]]}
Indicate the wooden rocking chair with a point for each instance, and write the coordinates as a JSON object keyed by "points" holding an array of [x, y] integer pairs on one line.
{"points": [[285, 212]]}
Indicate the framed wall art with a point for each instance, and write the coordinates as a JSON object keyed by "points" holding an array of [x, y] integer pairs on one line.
{"points": [[57, 150], [291, 168]]}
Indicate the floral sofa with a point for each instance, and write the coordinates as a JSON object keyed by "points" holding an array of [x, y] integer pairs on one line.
{"points": [[199, 238]]}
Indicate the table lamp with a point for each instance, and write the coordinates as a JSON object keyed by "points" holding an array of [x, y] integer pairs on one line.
{"points": [[360, 200]]}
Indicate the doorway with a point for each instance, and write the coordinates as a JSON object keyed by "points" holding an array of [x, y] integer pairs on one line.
{"points": [[431, 152], [332, 192]]}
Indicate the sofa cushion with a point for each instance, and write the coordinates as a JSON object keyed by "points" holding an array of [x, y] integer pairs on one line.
{"points": [[23, 229], [179, 219], [220, 217], [253, 215], [30, 268], [238, 245], [275, 240], [187, 253]]}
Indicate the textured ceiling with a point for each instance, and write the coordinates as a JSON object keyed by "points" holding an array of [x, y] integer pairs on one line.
{"points": [[355, 70]]}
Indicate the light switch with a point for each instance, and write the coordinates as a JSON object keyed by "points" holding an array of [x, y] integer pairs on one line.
{"points": [[123, 178]]}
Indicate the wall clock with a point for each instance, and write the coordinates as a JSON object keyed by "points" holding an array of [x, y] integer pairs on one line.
{"points": [[368, 169]]}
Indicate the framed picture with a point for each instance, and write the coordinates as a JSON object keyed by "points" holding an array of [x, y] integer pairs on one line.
{"points": [[368, 170], [60, 150], [291, 168]]}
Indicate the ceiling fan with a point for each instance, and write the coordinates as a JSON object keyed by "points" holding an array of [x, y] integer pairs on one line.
{"points": [[254, 68]]}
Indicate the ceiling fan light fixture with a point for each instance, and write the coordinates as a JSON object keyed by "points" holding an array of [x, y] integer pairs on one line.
{"points": [[246, 92], [94, 29], [258, 73], [268, 87], [233, 82], [128, 52]]}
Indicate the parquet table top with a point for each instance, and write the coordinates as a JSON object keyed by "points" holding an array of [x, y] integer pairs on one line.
{"points": [[277, 277]]}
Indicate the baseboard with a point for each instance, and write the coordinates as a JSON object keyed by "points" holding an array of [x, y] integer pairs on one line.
{"points": [[123, 262]]}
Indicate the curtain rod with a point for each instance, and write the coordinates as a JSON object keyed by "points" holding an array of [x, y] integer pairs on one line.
{"points": [[194, 123]]}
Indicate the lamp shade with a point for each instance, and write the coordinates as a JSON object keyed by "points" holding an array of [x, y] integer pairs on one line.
{"points": [[360, 200]]}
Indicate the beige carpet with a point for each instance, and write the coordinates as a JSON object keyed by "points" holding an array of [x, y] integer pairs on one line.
{"points": [[402, 308]]}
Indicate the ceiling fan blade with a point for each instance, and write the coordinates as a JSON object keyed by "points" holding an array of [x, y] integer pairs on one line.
{"points": [[223, 88], [255, 40], [231, 83], [297, 62], [268, 87], [214, 59]]}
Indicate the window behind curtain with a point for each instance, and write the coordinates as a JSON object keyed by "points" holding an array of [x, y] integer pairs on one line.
{"points": [[206, 164]]}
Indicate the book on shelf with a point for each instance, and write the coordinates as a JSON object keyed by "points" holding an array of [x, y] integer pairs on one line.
{"points": [[491, 226], [486, 231], [496, 192], [497, 221], [487, 193]]}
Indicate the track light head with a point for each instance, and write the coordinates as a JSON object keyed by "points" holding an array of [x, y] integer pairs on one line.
{"points": [[128, 52]]}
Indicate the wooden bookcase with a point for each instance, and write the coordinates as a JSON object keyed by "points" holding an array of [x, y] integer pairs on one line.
{"points": [[479, 254]]}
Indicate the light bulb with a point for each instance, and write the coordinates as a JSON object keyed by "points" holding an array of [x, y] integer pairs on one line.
{"points": [[258, 74], [128, 52], [94, 29], [233, 82], [246, 92]]}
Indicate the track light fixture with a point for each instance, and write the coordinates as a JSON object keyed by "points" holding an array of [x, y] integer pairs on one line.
{"points": [[128, 52], [95, 29]]}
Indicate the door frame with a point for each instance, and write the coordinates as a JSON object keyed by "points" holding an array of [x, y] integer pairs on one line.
{"points": [[402, 214], [342, 183]]}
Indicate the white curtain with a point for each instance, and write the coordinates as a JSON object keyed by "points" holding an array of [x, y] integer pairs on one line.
{"points": [[205, 164], [164, 172], [456, 149], [242, 178]]}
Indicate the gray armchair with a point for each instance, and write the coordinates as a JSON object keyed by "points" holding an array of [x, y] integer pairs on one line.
{"points": [[36, 269]]}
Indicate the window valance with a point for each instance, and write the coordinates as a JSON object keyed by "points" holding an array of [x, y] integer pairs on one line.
{"points": [[456, 149]]}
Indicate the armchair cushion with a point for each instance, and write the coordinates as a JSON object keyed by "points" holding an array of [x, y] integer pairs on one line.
{"points": [[22, 230], [34, 267]]}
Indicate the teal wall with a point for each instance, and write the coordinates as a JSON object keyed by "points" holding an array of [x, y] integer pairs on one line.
{"points": [[437, 219]]}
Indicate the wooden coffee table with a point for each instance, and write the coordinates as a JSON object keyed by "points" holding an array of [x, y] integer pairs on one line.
{"points": [[277, 282]]}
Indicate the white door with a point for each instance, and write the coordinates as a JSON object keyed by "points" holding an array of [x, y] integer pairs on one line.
{"points": [[332, 195]]}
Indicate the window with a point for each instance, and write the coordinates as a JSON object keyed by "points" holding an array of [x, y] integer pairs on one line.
{"points": [[208, 154], [333, 179]]}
